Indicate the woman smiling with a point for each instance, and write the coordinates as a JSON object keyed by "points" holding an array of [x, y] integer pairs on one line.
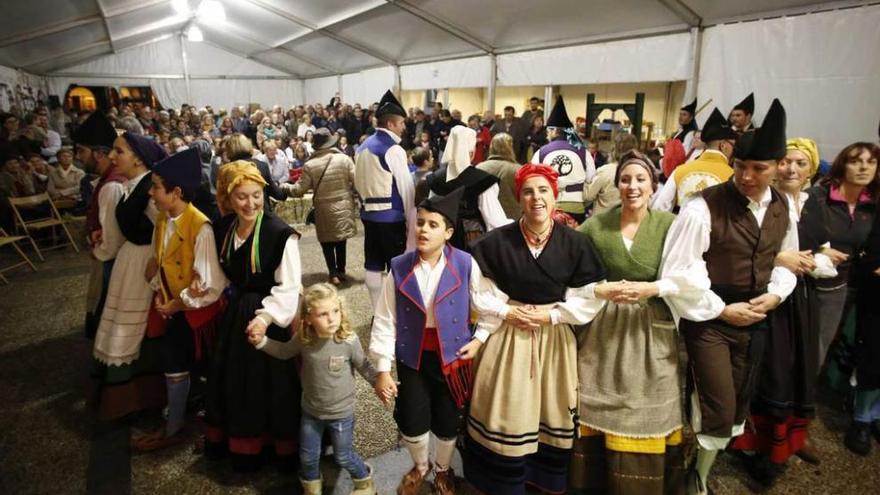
{"points": [[630, 402]]}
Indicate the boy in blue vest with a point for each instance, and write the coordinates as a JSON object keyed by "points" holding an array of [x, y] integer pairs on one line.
{"points": [[423, 319]]}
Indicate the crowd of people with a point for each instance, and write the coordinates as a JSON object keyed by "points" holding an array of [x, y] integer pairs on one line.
{"points": [[530, 297]]}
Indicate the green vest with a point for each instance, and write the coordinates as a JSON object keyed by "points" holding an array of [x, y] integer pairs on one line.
{"points": [[642, 262]]}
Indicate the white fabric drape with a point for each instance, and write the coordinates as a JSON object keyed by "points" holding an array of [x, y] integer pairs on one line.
{"points": [[823, 67], [657, 58], [462, 73], [321, 89], [367, 86]]}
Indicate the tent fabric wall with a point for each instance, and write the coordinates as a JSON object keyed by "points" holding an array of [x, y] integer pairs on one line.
{"points": [[165, 58], [462, 73], [823, 67], [652, 59], [321, 89], [367, 86], [162, 57], [224, 93]]}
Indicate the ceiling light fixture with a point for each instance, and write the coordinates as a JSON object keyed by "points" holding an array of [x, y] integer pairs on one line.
{"points": [[211, 11], [181, 6], [194, 34]]}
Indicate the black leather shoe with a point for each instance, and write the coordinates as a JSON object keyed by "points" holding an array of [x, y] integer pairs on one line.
{"points": [[762, 470], [858, 438]]}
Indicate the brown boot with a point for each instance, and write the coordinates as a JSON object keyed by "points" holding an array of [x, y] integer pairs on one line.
{"points": [[412, 481], [444, 482], [809, 454]]}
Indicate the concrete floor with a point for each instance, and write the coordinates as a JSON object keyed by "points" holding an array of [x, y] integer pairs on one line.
{"points": [[46, 431]]}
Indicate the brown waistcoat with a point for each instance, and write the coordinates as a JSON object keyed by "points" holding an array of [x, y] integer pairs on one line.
{"points": [[741, 254]]}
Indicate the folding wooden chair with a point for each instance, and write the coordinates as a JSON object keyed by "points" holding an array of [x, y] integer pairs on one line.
{"points": [[8, 239], [32, 204]]}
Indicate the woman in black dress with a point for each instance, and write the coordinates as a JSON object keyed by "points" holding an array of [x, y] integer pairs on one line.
{"points": [[253, 399]]}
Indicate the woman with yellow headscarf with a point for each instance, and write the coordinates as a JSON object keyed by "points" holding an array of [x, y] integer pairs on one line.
{"points": [[784, 399], [253, 398]]}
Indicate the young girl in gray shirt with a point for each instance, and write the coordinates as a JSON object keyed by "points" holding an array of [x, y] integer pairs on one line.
{"points": [[331, 352]]}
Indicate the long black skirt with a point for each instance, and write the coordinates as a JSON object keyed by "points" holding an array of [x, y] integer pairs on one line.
{"points": [[253, 399], [784, 399], [867, 348], [786, 385]]}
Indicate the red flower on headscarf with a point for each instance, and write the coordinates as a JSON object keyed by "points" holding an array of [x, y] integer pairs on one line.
{"points": [[530, 170]]}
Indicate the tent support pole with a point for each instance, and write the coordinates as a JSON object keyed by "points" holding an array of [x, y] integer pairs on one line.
{"points": [[548, 101], [493, 82], [398, 87], [696, 53], [185, 69], [339, 87]]}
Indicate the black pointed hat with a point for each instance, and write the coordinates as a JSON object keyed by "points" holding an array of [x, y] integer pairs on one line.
{"points": [[692, 108], [717, 127], [747, 105], [445, 205], [183, 169], [559, 116], [95, 131], [390, 105], [766, 142]]}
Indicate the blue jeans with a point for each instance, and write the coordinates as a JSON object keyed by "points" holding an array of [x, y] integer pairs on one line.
{"points": [[341, 434], [867, 405]]}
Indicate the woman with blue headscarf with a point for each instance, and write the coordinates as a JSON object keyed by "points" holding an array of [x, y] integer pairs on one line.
{"points": [[128, 370]]}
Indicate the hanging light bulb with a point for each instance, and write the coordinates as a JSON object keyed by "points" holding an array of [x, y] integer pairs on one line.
{"points": [[211, 11], [194, 34]]}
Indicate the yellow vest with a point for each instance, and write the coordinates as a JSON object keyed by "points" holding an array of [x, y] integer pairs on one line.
{"points": [[176, 262], [711, 168]]}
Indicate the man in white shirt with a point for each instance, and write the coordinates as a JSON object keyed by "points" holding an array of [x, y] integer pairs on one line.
{"points": [[53, 139], [94, 140], [722, 248], [383, 180], [305, 126], [279, 167]]}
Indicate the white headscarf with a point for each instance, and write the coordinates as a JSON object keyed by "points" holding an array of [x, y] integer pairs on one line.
{"points": [[457, 155]]}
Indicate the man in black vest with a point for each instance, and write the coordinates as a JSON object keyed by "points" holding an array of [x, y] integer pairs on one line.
{"points": [[722, 250]]}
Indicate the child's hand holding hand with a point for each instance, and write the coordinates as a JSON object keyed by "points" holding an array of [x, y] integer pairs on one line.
{"points": [[385, 387], [470, 350], [256, 330]]}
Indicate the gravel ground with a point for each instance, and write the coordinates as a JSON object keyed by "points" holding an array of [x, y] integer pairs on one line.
{"points": [[45, 429]]}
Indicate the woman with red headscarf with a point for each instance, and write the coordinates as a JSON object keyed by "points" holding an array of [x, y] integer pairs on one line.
{"points": [[522, 418]]}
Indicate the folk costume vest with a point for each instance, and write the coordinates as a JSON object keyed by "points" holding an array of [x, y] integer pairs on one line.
{"points": [[375, 182], [176, 261], [451, 317], [176, 273], [741, 254], [710, 169], [131, 214], [93, 221]]}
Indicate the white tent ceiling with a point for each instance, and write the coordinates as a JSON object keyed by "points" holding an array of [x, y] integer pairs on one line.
{"points": [[308, 39]]}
